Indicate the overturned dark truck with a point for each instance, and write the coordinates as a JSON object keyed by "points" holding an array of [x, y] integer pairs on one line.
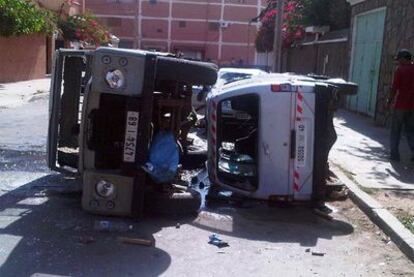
{"points": [[108, 108]]}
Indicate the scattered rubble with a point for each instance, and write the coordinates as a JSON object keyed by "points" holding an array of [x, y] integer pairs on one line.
{"points": [[215, 240], [317, 253], [136, 241], [86, 239], [109, 226]]}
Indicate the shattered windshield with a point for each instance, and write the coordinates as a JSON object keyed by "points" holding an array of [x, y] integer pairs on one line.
{"points": [[230, 77]]}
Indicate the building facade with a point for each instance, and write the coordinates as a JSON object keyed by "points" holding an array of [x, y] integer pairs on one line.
{"points": [[30, 56], [216, 30], [379, 29]]}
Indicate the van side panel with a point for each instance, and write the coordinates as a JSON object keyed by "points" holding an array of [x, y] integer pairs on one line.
{"points": [[302, 175], [274, 143]]}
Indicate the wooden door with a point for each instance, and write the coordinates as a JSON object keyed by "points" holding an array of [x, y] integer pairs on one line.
{"points": [[368, 41]]}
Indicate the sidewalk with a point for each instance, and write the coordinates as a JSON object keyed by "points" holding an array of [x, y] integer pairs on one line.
{"points": [[362, 151], [383, 190], [24, 115], [19, 93]]}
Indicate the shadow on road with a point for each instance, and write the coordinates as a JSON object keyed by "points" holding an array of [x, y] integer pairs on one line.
{"points": [[42, 226], [259, 222]]}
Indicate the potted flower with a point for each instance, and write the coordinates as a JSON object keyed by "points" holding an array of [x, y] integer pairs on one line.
{"points": [[84, 29]]}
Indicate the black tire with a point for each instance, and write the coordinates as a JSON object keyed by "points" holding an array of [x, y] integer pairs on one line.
{"points": [[190, 72], [193, 160], [177, 203]]}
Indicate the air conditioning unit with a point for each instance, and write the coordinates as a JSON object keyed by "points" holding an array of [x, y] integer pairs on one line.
{"points": [[224, 24]]}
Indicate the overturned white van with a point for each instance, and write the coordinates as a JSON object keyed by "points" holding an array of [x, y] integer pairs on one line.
{"points": [[269, 137]]}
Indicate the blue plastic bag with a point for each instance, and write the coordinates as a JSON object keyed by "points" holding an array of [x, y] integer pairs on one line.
{"points": [[163, 158]]}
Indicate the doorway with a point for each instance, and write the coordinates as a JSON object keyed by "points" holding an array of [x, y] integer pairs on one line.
{"points": [[366, 60]]}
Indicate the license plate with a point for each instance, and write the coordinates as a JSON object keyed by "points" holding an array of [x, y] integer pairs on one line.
{"points": [[131, 131], [301, 129]]}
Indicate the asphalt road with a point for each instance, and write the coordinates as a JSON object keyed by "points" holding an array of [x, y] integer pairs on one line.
{"points": [[43, 230]]}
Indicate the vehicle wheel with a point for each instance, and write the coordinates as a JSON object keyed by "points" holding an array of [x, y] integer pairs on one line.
{"points": [[175, 203], [193, 157], [191, 161], [191, 72]]}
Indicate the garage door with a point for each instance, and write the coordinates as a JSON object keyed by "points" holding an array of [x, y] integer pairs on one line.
{"points": [[367, 49]]}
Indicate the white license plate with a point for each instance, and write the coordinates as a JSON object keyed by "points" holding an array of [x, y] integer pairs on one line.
{"points": [[301, 129], [131, 131]]}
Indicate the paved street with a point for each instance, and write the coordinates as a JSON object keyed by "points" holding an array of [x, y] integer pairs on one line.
{"points": [[43, 229], [44, 232], [23, 127]]}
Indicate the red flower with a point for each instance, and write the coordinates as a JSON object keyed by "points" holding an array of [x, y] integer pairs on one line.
{"points": [[291, 28]]}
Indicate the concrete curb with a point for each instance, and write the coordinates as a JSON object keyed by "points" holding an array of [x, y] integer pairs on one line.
{"points": [[391, 226]]}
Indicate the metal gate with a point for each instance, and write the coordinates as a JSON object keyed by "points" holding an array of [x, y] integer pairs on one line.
{"points": [[366, 60]]}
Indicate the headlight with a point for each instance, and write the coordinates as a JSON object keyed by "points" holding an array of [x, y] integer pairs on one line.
{"points": [[115, 78], [105, 189]]}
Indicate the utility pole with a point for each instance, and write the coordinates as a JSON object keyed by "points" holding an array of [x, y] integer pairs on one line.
{"points": [[136, 29], [277, 42]]}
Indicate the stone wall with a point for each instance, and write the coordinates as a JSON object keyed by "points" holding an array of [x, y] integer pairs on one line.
{"points": [[22, 58], [398, 33], [323, 59]]}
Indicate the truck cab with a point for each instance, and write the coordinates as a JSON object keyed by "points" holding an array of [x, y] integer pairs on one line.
{"points": [[106, 106]]}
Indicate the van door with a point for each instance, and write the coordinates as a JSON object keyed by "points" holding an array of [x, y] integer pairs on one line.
{"points": [[275, 143], [68, 85]]}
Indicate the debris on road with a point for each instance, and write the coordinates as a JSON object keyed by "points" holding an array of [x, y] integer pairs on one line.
{"points": [[86, 239], [273, 248], [201, 179], [109, 226], [136, 241], [386, 240], [215, 240], [338, 195], [316, 253], [177, 226]]}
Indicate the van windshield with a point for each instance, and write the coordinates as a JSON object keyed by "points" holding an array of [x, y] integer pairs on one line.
{"points": [[230, 77], [237, 136]]}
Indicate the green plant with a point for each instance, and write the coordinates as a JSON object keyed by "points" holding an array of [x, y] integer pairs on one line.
{"points": [[20, 17], [298, 14], [84, 28], [408, 221], [333, 13], [292, 27]]}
